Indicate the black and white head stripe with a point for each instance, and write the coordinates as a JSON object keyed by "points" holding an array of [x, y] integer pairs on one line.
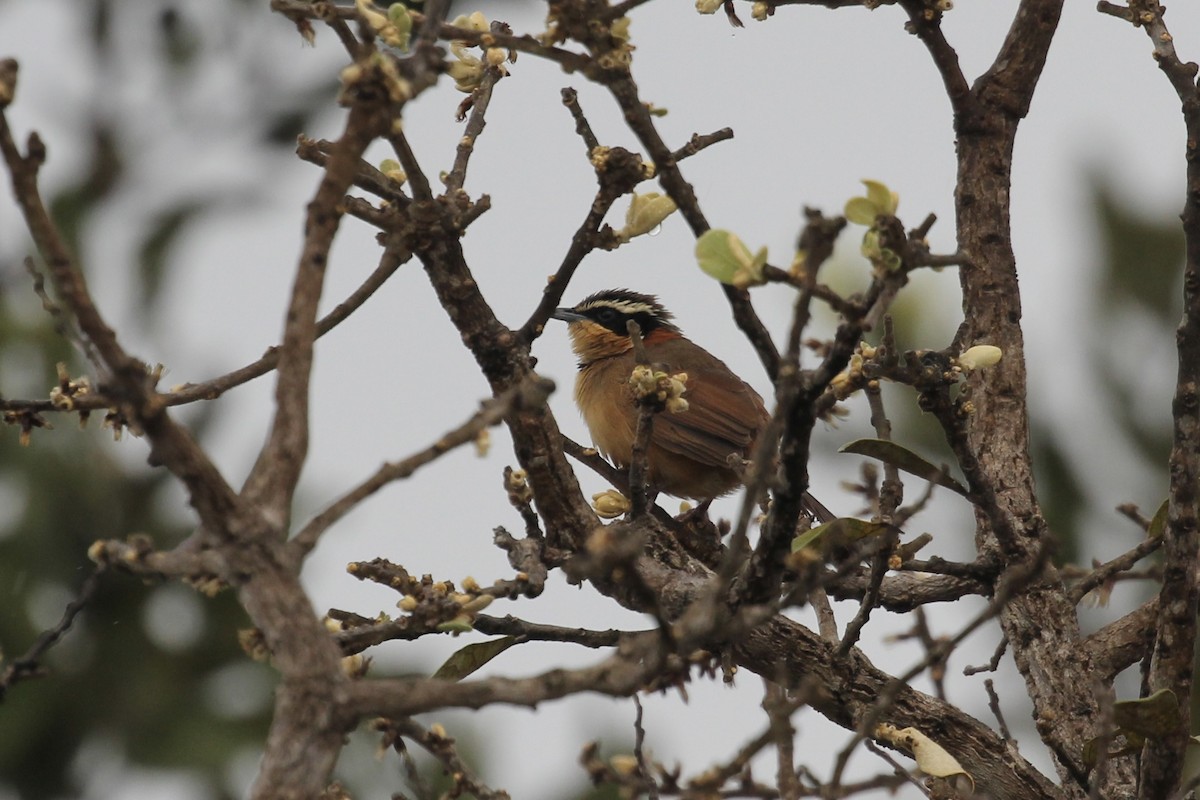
{"points": [[613, 308]]}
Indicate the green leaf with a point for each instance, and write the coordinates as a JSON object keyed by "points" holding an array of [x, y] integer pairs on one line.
{"points": [[1153, 717], [844, 530], [472, 657], [883, 198], [721, 254], [1158, 525], [155, 249], [460, 624], [904, 459], [861, 211]]}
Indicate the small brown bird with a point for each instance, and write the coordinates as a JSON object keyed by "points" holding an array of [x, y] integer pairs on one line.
{"points": [[688, 454]]}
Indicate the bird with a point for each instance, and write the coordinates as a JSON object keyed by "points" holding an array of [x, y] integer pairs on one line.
{"points": [[688, 454]]}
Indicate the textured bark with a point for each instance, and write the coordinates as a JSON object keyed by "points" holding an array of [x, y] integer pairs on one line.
{"points": [[1040, 620], [1173, 663]]}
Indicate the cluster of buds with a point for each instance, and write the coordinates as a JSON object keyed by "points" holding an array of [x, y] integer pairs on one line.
{"points": [[852, 378], [516, 483], [440, 604], [621, 55], [601, 156], [26, 420], [63, 395], [760, 11], [394, 27], [934, 368], [879, 202], [379, 69], [651, 386], [468, 70]]}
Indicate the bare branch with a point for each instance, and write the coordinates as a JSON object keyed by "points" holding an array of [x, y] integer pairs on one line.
{"points": [[28, 665], [492, 412], [272, 483]]}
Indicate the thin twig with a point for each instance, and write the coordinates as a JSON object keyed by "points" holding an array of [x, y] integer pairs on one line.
{"points": [[29, 664], [639, 470], [481, 97], [639, 751], [994, 705], [492, 413]]}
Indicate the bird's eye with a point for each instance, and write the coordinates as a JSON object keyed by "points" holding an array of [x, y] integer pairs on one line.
{"points": [[606, 315]]}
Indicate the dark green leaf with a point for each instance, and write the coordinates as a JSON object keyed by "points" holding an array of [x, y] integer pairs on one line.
{"points": [[842, 531], [1159, 524], [152, 254], [1153, 717], [902, 458], [1143, 254], [472, 657]]}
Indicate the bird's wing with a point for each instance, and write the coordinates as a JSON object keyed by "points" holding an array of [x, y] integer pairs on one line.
{"points": [[724, 417]]}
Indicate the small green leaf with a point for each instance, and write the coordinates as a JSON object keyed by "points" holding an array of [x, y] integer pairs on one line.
{"points": [[861, 211], [1090, 756], [870, 246], [882, 197], [460, 624], [890, 260], [398, 15], [905, 459], [722, 254], [751, 274], [470, 658], [1159, 524], [844, 530], [758, 262], [646, 212], [1153, 717]]}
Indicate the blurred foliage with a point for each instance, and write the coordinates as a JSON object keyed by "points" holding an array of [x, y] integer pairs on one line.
{"points": [[1140, 284], [112, 684], [110, 680], [191, 700], [1062, 495], [1142, 256]]}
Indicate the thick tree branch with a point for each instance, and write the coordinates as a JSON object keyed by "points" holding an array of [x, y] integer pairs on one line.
{"points": [[272, 483], [1173, 663]]}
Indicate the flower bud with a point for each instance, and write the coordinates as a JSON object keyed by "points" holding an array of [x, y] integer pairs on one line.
{"points": [[610, 504], [980, 356], [646, 212]]}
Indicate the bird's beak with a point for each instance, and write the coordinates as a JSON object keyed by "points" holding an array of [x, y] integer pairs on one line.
{"points": [[567, 315]]}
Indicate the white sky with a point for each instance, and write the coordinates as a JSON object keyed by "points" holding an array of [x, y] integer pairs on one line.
{"points": [[818, 99]]}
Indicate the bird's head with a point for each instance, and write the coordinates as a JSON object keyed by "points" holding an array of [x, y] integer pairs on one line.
{"points": [[599, 324]]}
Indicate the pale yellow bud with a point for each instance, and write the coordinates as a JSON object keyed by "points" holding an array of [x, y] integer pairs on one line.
{"points": [[646, 212], [980, 356], [624, 764], [610, 504]]}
